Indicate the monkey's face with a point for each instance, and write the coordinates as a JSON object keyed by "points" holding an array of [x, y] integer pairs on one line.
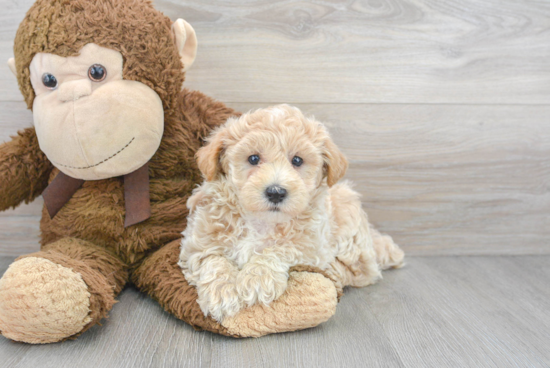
{"points": [[90, 123]]}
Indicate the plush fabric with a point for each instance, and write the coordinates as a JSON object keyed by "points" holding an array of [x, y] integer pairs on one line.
{"points": [[133, 27], [63, 297], [86, 246], [112, 132], [173, 292], [309, 299], [24, 170], [96, 212], [186, 42]]}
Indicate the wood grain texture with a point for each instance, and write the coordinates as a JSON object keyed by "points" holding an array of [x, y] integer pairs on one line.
{"points": [[460, 179], [442, 107], [370, 51], [14, 116], [436, 312], [355, 51], [451, 311]]}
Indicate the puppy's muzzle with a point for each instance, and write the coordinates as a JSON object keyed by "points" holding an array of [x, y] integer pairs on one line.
{"points": [[275, 194]]}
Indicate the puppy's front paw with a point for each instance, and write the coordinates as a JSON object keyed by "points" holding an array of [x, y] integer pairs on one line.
{"points": [[219, 299], [260, 283]]}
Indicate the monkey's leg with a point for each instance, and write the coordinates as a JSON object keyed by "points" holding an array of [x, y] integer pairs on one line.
{"points": [[59, 292], [309, 300]]}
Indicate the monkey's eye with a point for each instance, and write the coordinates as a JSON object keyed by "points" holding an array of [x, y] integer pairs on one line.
{"points": [[297, 161], [49, 81], [254, 160], [97, 73]]}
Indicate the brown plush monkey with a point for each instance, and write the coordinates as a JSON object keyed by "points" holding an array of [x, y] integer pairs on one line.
{"points": [[113, 142]]}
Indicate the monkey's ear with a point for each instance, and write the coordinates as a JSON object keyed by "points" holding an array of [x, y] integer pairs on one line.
{"points": [[11, 64], [186, 42], [335, 162], [208, 157]]}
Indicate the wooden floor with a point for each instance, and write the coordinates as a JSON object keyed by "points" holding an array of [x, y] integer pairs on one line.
{"points": [[442, 107], [436, 312]]}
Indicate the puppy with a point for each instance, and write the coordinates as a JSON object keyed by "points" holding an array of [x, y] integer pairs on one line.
{"points": [[271, 201]]}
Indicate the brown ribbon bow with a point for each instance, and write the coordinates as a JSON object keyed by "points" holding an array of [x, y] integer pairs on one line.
{"points": [[136, 194]]}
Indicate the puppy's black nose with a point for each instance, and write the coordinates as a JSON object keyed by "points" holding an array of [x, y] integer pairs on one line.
{"points": [[275, 193]]}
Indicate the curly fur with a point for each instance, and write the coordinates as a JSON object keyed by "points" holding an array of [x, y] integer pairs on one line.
{"points": [[238, 247]]}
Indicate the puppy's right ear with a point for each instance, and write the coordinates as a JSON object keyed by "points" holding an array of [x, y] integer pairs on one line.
{"points": [[336, 163], [208, 157]]}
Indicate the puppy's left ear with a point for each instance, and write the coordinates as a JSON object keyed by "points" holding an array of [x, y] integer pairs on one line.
{"points": [[208, 157], [336, 163]]}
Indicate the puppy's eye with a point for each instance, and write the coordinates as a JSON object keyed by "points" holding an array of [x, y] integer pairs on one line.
{"points": [[97, 73], [49, 81], [297, 161], [254, 160]]}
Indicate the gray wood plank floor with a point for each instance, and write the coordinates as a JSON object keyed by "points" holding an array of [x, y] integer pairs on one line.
{"points": [[436, 312]]}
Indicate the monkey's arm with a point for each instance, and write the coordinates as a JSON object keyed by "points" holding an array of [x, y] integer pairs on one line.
{"points": [[206, 112], [24, 169]]}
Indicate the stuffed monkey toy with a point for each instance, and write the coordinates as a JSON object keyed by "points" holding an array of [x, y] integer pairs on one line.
{"points": [[112, 152]]}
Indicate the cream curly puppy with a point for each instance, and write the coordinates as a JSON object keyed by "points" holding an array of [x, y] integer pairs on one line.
{"points": [[271, 201]]}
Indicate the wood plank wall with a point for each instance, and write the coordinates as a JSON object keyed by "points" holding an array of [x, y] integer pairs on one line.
{"points": [[442, 106]]}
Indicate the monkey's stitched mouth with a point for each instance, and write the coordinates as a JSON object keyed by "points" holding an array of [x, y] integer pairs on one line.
{"points": [[99, 163]]}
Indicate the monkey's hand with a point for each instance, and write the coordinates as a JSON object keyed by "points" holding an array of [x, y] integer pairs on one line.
{"points": [[24, 169]]}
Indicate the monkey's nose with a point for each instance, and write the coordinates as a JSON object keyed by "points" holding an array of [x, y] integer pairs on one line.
{"points": [[275, 193], [73, 90]]}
